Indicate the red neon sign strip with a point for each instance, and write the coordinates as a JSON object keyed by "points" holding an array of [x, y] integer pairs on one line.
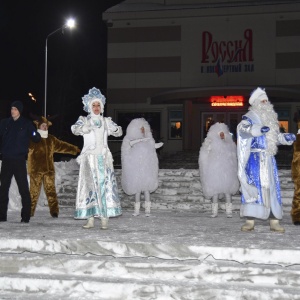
{"points": [[227, 100]]}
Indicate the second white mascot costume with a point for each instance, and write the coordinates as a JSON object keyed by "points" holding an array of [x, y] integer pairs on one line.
{"points": [[218, 167], [139, 163]]}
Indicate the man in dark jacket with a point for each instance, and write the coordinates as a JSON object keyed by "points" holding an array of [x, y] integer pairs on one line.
{"points": [[16, 133]]}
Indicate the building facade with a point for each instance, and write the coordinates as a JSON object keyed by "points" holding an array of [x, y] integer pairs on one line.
{"points": [[186, 64]]}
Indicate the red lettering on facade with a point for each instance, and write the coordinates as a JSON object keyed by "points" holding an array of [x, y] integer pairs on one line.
{"points": [[229, 51]]}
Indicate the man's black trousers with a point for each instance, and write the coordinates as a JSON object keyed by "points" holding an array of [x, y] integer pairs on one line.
{"points": [[14, 167]]}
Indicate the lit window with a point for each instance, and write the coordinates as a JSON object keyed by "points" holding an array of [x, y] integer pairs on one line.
{"points": [[175, 124], [284, 126]]}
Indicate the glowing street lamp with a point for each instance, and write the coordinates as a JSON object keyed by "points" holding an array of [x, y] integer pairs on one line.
{"points": [[32, 97], [69, 24]]}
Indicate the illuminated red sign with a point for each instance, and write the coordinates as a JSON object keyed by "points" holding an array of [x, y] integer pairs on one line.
{"points": [[229, 51], [227, 100]]}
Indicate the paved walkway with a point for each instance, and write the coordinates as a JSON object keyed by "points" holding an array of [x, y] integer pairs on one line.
{"points": [[163, 226]]}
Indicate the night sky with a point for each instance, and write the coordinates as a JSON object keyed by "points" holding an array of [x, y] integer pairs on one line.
{"points": [[76, 59]]}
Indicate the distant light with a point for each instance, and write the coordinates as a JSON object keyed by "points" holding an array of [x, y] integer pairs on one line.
{"points": [[32, 97], [70, 23]]}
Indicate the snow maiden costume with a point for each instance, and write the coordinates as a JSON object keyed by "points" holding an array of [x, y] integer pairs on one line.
{"points": [[258, 136], [139, 163], [97, 193], [218, 167]]}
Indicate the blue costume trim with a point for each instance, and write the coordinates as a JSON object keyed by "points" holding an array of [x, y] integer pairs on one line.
{"points": [[102, 185], [252, 170], [289, 137], [245, 118], [258, 143], [95, 211], [277, 182], [253, 175]]}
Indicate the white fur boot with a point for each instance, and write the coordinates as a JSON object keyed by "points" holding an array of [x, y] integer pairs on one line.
{"points": [[104, 223], [214, 210], [147, 208], [228, 208], [248, 226], [228, 205], [137, 206], [147, 203], [89, 224], [275, 226]]}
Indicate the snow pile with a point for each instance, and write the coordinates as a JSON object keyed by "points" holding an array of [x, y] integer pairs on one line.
{"points": [[62, 169]]}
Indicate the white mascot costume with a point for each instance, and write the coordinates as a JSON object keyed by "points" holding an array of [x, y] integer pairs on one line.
{"points": [[139, 163], [218, 167]]}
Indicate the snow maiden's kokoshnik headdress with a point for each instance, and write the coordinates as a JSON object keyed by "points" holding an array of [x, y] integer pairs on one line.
{"points": [[93, 95]]}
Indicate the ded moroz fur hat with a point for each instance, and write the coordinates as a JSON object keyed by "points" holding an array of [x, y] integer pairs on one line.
{"points": [[258, 94]]}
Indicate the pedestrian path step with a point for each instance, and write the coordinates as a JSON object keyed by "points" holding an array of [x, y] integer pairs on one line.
{"points": [[178, 189]]}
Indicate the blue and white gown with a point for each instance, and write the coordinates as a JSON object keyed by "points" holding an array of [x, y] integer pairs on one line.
{"points": [[97, 192]]}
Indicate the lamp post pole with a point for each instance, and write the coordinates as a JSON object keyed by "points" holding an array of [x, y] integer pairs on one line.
{"points": [[70, 24]]}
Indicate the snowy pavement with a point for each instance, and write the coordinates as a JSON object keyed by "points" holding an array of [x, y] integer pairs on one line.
{"points": [[172, 254], [184, 228]]}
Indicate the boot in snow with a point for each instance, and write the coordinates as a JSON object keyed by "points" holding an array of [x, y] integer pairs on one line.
{"points": [[228, 208], [137, 206], [275, 226], [228, 205], [104, 223], [89, 224], [147, 203], [214, 210], [248, 226]]}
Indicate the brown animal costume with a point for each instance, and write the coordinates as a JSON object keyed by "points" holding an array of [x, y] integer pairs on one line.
{"points": [[41, 167], [295, 212]]}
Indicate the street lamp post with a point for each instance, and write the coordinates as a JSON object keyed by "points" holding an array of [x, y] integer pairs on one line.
{"points": [[69, 24]]}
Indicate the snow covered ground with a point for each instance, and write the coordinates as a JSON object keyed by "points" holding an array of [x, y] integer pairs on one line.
{"points": [[173, 254]]}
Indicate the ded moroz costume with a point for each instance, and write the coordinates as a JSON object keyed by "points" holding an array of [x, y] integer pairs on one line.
{"points": [[258, 136]]}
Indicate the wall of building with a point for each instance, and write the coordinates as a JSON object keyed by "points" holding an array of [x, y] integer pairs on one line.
{"points": [[163, 53]]}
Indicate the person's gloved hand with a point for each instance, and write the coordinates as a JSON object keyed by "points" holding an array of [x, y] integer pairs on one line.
{"points": [[133, 142], [86, 128], [289, 137], [158, 145], [264, 129], [113, 126]]}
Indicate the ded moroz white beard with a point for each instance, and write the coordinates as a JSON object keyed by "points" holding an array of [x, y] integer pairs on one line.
{"points": [[268, 118]]}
